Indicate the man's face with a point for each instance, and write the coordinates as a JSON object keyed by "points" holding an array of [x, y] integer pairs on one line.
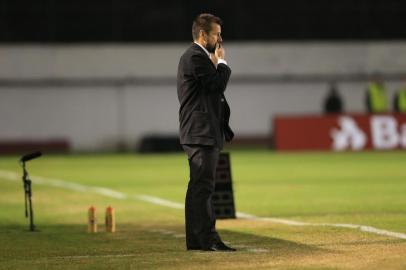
{"points": [[213, 37]]}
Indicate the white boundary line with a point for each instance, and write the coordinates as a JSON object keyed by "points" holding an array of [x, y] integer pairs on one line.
{"points": [[159, 201], [363, 228], [92, 256], [12, 176]]}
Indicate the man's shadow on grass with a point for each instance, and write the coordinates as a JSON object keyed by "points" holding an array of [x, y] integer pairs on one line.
{"points": [[247, 242], [154, 237], [276, 246]]}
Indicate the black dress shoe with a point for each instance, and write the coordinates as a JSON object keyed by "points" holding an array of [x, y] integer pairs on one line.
{"points": [[219, 246]]}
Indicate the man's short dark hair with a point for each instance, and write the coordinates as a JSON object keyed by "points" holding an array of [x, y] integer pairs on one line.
{"points": [[203, 22]]}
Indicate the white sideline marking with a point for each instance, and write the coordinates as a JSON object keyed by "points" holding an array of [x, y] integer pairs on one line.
{"points": [[257, 250], [159, 201], [363, 228], [93, 256], [12, 176], [167, 232], [8, 175]]}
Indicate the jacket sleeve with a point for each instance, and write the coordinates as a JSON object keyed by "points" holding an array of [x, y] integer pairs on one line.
{"points": [[214, 80]]}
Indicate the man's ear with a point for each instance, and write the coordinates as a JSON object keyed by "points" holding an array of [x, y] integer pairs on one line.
{"points": [[203, 35]]}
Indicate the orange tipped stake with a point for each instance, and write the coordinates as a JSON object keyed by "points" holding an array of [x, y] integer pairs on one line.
{"points": [[110, 219], [92, 220]]}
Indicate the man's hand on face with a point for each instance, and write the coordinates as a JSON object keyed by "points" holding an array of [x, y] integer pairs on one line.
{"points": [[214, 58], [220, 53]]}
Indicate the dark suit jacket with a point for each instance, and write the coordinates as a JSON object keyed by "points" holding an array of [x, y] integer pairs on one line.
{"points": [[204, 113]]}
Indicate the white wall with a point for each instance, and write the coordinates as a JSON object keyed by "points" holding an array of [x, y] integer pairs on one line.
{"points": [[98, 117], [152, 60]]}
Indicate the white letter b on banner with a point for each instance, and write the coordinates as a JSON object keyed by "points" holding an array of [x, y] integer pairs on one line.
{"points": [[384, 132]]}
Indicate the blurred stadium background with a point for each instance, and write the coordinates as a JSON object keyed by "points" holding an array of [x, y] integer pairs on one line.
{"points": [[100, 77]]}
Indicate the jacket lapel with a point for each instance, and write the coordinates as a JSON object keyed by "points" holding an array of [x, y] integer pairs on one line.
{"points": [[201, 51]]}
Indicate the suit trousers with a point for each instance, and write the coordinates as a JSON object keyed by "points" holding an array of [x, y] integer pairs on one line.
{"points": [[200, 220]]}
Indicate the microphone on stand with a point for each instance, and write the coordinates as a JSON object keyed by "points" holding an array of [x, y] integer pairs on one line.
{"points": [[28, 157], [29, 211]]}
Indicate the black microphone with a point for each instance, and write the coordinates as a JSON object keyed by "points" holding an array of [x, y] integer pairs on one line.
{"points": [[28, 157]]}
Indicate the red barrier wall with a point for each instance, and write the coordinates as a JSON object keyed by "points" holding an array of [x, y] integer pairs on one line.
{"points": [[20, 147], [353, 132]]}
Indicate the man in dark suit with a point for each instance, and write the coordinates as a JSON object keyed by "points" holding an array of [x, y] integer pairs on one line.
{"points": [[204, 114]]}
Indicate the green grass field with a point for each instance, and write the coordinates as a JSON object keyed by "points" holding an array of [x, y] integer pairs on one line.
{"points": [[353, 188]]}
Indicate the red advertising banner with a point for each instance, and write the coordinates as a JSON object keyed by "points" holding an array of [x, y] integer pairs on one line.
{"points": [[343, 132]]}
